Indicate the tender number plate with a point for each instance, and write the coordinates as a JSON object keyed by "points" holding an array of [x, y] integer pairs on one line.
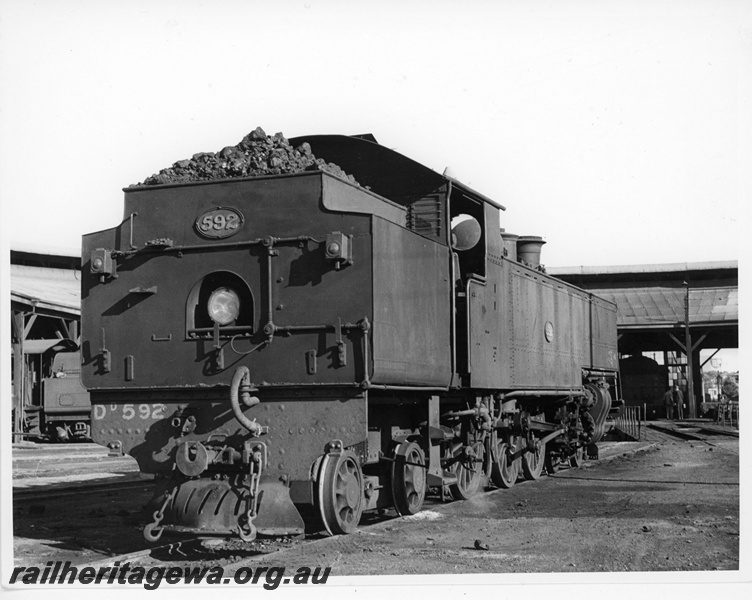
{"points": [[219, 223], [128, 412]]}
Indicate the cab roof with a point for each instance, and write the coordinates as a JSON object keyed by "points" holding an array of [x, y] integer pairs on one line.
{"points": [[386, 172]]}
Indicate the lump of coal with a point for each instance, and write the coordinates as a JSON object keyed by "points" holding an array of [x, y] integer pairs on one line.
{"points": [[255, 155]]}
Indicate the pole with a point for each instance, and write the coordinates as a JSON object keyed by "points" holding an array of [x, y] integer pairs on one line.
{"points": [[19, 376], [688, 352]]}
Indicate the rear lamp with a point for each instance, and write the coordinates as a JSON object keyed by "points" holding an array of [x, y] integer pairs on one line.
{"points": [[224, 306], [101, 263], [338, 249]]}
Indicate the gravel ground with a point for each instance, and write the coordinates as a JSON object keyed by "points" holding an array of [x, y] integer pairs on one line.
{"points": [[674, 507], [671, 507]]}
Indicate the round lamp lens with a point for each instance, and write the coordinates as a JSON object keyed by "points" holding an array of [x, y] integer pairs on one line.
{"points": [[224, 306]]}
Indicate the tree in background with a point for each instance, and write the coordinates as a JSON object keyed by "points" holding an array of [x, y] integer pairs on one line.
{"points": [[731, 387]]}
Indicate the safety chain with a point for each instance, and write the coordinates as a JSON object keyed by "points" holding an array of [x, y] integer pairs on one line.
{"points": [[247, 532]]}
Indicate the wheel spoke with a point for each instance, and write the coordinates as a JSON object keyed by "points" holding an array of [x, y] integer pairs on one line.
{"points": [[577, 458], [468, 471], [532, 462], [341, 492], [408, 479], [504, 469]]}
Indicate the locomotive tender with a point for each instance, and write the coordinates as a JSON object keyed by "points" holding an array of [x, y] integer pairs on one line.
{"points": [[288, 344]]}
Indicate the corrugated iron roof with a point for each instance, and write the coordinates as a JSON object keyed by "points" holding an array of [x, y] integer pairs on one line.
{"points": [[642, 269], [44, 249], [648, 307], [53, 289]]}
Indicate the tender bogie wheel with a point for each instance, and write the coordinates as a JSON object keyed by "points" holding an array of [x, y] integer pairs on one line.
{"points": [[505, 470], [340, 497], [408, 479], [469, 471], [532, 462], [577, 458]]}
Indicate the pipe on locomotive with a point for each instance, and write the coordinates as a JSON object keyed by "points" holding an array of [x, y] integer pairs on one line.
{"points": [[530, 393], [243, 390]]}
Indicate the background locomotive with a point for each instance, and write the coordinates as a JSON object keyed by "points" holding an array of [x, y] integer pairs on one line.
{"points": [[59, 409], [269, 345], [66, 404]]}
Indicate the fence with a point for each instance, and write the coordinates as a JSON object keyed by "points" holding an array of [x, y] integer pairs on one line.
{"points": [[629, 422]]}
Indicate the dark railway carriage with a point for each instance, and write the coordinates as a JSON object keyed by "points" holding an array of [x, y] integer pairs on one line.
{"points": [[275, 344], [643, 384]]}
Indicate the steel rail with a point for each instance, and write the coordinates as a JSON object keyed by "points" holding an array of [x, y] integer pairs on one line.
{"points": [[37, 493]]}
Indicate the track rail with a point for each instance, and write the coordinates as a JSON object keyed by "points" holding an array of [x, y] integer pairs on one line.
{"points": [[188, 548], [194, 548], [32, 493]]}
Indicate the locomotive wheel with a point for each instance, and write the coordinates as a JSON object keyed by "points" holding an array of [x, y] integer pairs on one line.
{"points": [[408, 480], [532, 462], [553, 462], [577, 458], [340, 494], [504, 470], [469, 471], [516, 443]]}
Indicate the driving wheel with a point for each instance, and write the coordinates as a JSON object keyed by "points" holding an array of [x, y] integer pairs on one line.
{"points": [[408, 478], [553, 462], [578, 457], [532, 461], [468, 469], [340, 492], [505, 468]]}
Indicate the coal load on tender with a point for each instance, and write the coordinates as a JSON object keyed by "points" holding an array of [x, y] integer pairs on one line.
{"points": [[256, 155]]}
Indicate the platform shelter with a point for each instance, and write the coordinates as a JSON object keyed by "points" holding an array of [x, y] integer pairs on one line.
{"points": [[679, 309], [45, 315]]}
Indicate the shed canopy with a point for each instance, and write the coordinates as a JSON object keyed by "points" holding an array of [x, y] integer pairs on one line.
{"points": [[660, 307], [44, 289]]}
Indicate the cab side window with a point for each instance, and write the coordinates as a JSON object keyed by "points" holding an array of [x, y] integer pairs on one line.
{"points": [[468, 236]]}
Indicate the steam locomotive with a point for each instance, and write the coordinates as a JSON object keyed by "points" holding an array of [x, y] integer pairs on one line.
{"points": [[286, 345]]}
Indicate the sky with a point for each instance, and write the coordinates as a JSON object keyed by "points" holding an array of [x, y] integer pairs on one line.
{"points": [[614, 130]]}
